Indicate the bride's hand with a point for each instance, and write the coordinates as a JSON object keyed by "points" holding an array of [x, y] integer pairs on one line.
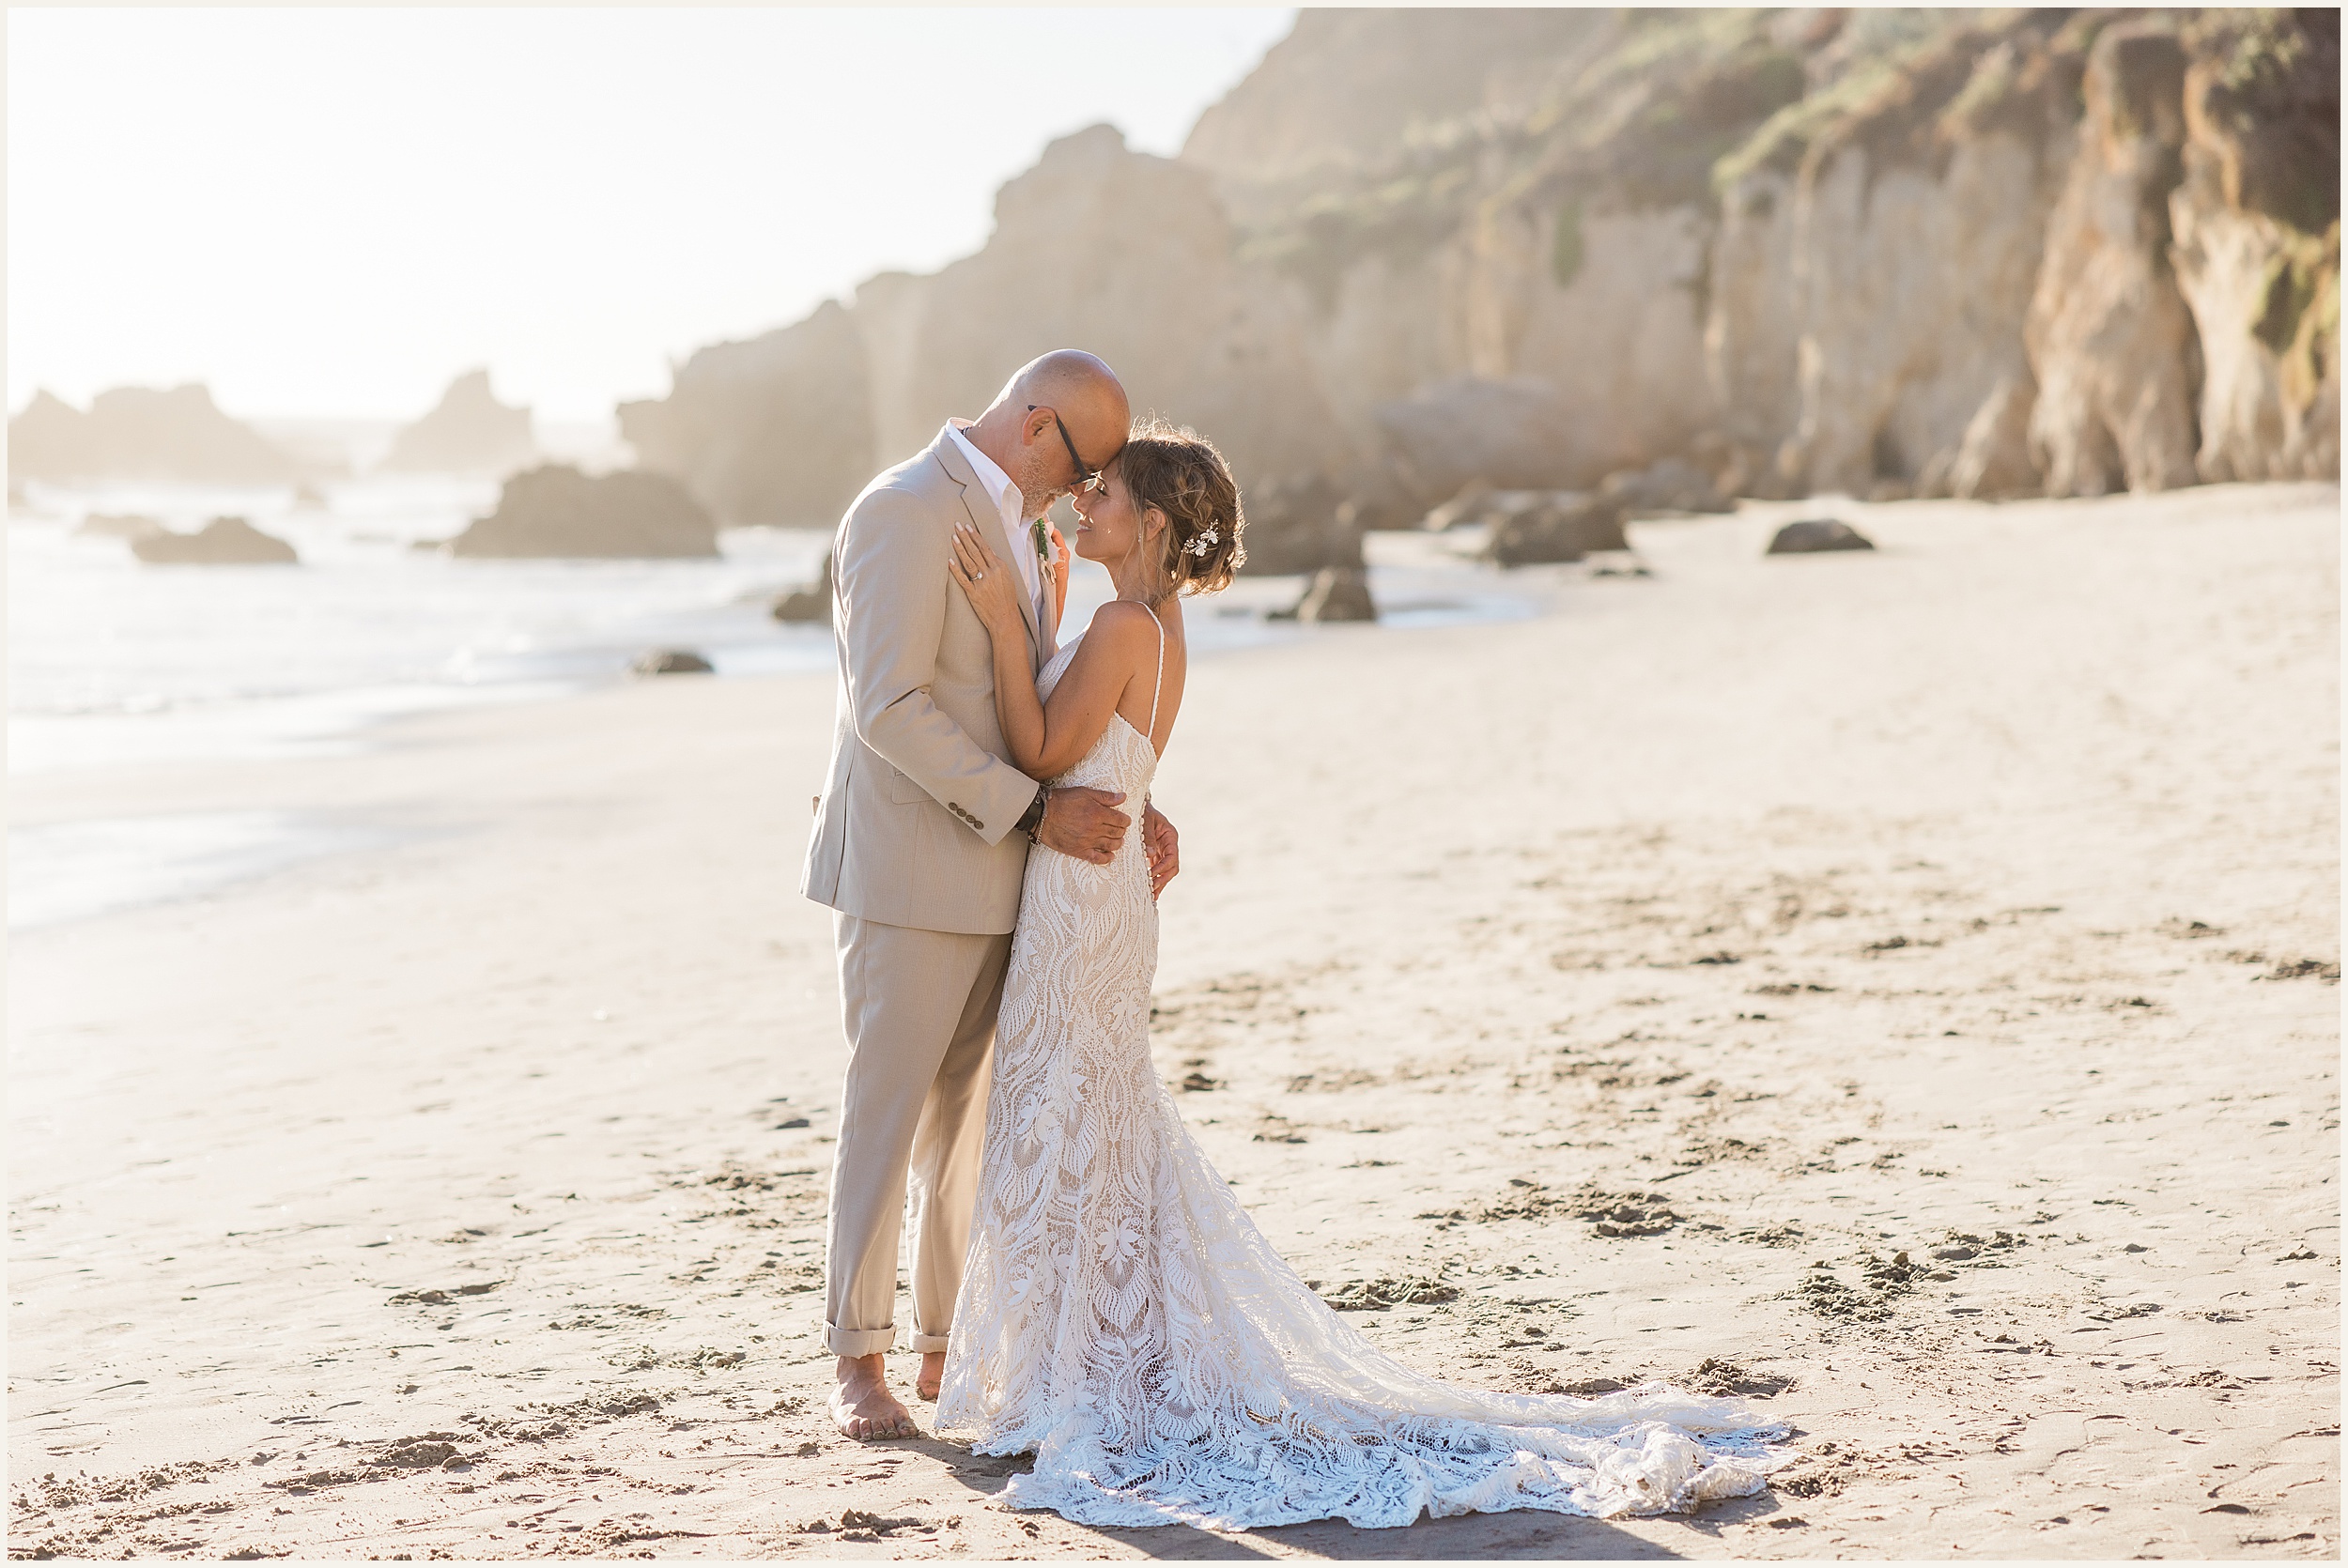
{"points": [[993, 588]]}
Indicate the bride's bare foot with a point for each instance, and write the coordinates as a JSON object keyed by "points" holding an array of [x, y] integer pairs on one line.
{"points": [[861, 1405], [932, 1375]]}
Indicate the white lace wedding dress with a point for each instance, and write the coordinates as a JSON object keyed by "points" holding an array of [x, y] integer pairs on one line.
{"points": [[1122, 1318]]}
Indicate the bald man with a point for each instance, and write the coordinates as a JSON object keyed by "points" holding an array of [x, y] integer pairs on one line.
{"points": [[921, 845]]}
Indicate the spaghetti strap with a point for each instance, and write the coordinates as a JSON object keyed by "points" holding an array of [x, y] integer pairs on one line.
{"points": [[1151, 733]]}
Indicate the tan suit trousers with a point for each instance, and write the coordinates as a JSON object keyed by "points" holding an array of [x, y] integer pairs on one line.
{"points": [[920, 1009]]}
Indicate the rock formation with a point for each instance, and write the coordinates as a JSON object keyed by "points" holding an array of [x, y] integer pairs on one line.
{"points": [[1993, 462], [1297, 524], [468, 432], [223, 542], [2255, 219], [1525, 527], [778, 430], [136, 433], [2107, 330], [1666, 485], [558, 512], [671, 661], [1813, 535], [809, 604], [1336, 593], [1982, 253]]}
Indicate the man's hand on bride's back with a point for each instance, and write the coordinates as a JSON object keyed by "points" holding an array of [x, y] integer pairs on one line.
{"points": [[1083, 823]]}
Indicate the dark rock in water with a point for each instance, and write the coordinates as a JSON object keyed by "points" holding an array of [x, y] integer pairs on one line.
{"points": [[671, 661], [806, 605], [1531, 526], [1818, 533], [1673, 485], [116, 524], [1297, 524], [1337, 593], [470, 432], [223, 542], [558, 512]]}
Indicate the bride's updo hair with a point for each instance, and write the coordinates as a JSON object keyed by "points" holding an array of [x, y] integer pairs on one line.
{"points": [[1179, 472]]}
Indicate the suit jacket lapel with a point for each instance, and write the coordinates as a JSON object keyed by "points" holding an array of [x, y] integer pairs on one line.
{"points": [[990, 522]]}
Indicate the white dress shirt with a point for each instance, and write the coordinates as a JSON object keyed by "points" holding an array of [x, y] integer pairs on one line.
{"points": [[1007, 506]]}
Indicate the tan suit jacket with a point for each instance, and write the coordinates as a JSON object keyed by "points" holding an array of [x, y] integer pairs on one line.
{"points": [[915, 824]]}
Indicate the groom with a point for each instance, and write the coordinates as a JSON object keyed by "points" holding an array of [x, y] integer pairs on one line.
{"points": [[921, 840]]}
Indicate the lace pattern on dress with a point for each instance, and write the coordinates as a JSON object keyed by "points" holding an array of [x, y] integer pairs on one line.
{"points": [[1122, 1318]]}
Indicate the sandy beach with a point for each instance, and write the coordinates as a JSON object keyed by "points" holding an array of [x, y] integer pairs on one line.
{"points": [[1901, 986]]}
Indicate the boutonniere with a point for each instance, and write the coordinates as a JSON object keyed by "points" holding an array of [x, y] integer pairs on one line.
{"points": [[1042, 535]]}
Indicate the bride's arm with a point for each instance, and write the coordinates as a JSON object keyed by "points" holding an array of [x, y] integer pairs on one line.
{"points": [[1045, 741]]}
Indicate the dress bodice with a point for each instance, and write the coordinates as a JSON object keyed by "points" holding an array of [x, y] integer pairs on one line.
{"points": [[1122, 759]]}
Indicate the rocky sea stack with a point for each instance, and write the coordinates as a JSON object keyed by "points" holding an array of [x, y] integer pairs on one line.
{"points": [[558, 512], [222, 541], [468, 432], [137, 433], [1879, 252]]}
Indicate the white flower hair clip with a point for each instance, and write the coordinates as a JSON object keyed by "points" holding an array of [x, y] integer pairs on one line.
{"points": [[1199, 546]]}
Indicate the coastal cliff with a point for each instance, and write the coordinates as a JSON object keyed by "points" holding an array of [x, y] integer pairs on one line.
{"points": [[1986, 253]]}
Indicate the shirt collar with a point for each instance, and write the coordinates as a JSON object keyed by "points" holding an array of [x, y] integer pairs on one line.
{"points": [[998, 485]]}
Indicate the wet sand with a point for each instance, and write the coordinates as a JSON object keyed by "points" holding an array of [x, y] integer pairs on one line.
{"points": [[1902, 986]]}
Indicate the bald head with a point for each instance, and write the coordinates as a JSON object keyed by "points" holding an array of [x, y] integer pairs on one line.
{"points": [[1021, 429], [1084, 391]]}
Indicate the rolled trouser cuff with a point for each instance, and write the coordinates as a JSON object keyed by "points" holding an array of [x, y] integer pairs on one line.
{"points": [[927, 1343], [860, 1342]]}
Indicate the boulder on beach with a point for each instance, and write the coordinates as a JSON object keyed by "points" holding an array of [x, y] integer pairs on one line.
{"points": [[671, 661], [116, 524], [806, 605], [470, 432], [1812, 534], [556, 512], [223, 542], [1337, 593]]}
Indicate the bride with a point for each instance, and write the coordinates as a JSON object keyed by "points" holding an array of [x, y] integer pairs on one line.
{"points": [[1121, 1315]]}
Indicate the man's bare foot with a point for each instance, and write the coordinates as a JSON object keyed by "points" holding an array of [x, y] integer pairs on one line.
{"points": [[932, 1375], [861, 1405]]}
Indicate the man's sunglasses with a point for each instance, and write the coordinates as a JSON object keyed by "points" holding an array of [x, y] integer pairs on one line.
{"points": [[1088, 477]]}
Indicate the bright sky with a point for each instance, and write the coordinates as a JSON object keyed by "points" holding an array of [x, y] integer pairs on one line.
{"points": [[332, 212]]}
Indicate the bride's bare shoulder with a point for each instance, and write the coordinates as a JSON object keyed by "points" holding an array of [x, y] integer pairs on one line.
{"points": [[1128, 632]]}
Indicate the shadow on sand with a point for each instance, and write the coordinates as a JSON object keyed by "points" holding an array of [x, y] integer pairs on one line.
{"points": [[1516, 1536]]}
